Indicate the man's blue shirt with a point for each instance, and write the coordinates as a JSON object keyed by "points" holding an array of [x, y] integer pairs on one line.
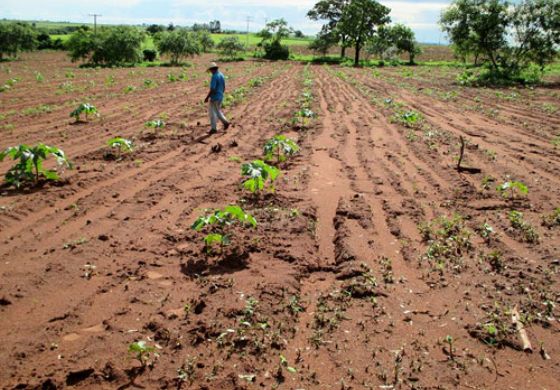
{"points": [[218, 86]]}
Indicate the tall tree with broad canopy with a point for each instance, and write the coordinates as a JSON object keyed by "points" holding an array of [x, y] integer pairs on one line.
{"points": [[331, 11], [510, 36], [404, 40], [16, 37], [360, 21], [477, 27]]}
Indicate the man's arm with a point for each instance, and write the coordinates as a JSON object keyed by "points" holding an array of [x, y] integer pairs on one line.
{"points": [[212, 89], [208, 96]]}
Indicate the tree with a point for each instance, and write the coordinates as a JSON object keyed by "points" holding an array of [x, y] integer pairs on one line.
{"points": [[382, 43], [16, 37], [511, 37], [323, 42], [110, 46], [205, 40], [405, 41], [153, 29], [536, 25], [299, 34], [230, 46], [359, 22], [477, 27], [120, 45], [331, 11], [215, 27], [82, 44], [272, 36], [178, 44]]}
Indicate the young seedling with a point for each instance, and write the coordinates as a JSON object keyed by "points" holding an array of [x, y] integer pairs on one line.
{"points": [[122, 145], [284, 363], [449, 341], [486, 231], [512, 188], [258, 173], [410, 119], [280, 146], [141, 352], [86, 109], [553, 219], [29, 168], [219, 222], [155, 124], [528, 232]]}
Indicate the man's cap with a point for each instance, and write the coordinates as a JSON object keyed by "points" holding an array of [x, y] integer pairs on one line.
{"points": [[213, 65]]}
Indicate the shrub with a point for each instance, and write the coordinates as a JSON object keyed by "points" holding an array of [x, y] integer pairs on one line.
{"points": [[177, 44], [276, 51], [230, 46], [111, 46], [149, 55], [204, 40], [16, 37]]}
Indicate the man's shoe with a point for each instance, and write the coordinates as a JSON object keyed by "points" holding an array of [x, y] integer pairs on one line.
{"points": [[226, 126], [212, 131]]}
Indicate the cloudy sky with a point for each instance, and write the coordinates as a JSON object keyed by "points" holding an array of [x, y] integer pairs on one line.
{"points": [[422, 16]]}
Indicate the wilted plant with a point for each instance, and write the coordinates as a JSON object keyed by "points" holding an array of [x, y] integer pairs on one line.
{"points": [[29, 168], [258, 173], [280, 146]]}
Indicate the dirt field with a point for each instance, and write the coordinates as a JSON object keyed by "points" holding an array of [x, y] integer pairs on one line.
{"points": [[375, 263]]}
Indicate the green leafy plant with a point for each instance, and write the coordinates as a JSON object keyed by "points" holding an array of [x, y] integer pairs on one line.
{"points": [[155, 124], [495, 260], [29, 168], [284, 363], [410, 119], [553, 219], [512, 188], [219, 221], [141, 351], [258, 173], [85, 108], [280, 146], [486, 231], [122, 145], [39, 77], [527, 231], [448, 241]]}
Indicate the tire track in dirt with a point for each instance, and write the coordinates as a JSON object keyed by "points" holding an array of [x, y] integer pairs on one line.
{"points": [[113, 226], [96, 182], [488, 136]]}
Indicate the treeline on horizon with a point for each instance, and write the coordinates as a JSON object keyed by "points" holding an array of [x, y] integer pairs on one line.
{"points": [[508, 42]]}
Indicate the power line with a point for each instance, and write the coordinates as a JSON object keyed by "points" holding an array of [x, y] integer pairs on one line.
{"points": [[95, 16]]}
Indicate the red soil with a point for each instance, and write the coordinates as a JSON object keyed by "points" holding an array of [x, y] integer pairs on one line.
{"points": [[337, 278]]}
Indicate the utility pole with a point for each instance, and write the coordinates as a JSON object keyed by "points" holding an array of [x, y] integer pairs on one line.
{"points": [[95, 16], [249, 20]]}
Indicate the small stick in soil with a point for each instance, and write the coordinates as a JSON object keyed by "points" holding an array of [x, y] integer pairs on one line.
{"points": [[461, 155], [527, 347]]}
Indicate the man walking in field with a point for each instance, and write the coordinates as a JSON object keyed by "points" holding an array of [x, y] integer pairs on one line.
{"points": [[216, 96]]}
